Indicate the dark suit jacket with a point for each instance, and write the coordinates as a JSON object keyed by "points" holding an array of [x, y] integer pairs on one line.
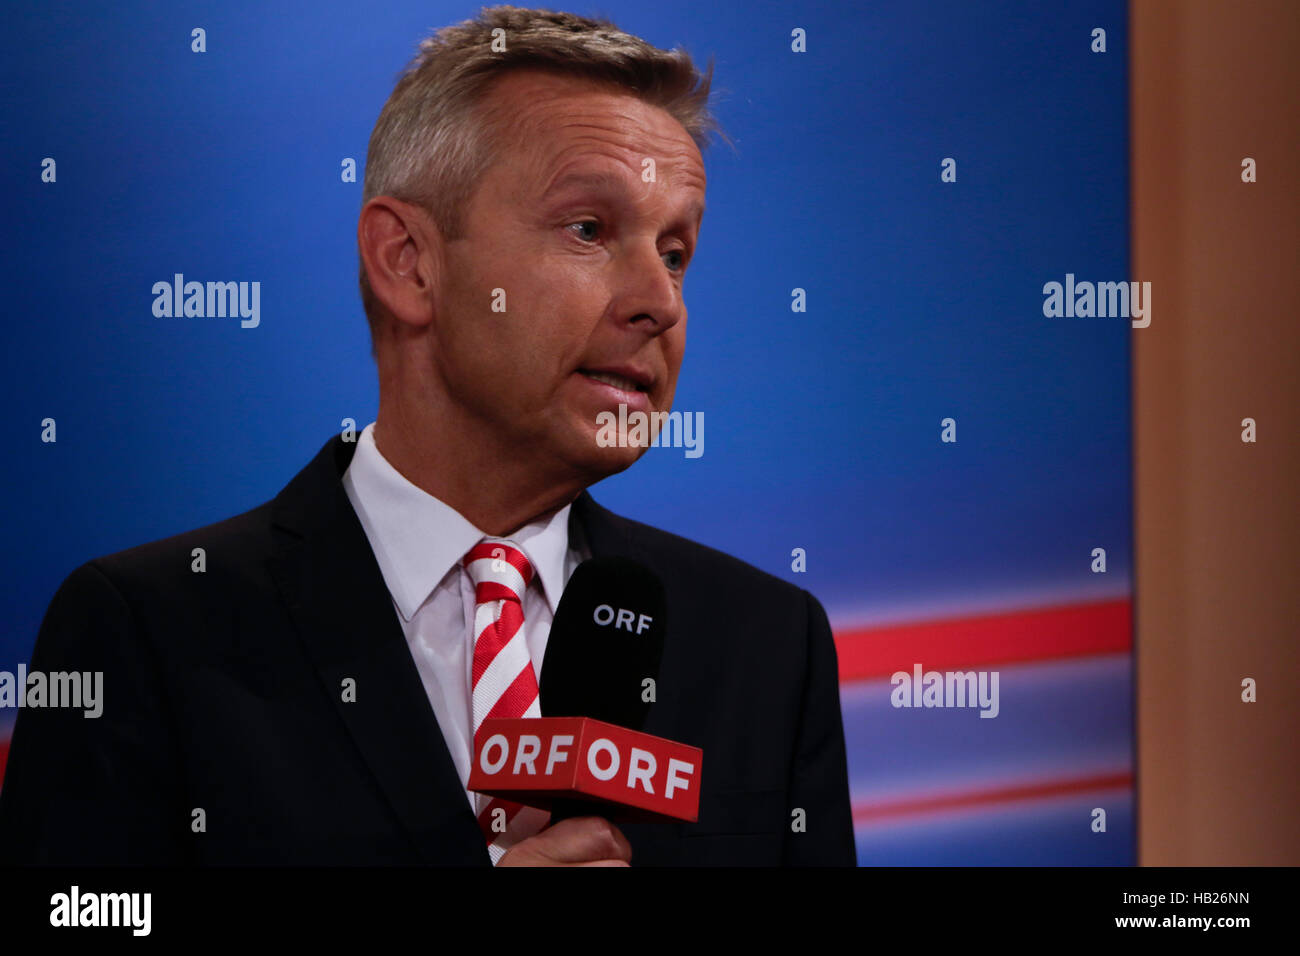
{"points": [[222, 692]]}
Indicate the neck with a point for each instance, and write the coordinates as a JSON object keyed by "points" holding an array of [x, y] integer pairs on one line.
{"points": [[438, 449]]}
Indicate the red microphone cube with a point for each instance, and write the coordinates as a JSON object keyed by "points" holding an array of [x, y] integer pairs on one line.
{"points": [[537, 760]]}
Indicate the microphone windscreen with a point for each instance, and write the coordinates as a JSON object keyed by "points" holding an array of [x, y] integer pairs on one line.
{"points": [[605, 643]]}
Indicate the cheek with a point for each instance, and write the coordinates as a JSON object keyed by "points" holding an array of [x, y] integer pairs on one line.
{"points": [[565, 315], [675, 348], [497, 321], [549, 305]]}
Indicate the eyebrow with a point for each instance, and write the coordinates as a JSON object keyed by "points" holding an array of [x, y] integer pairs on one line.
{"points": [[604, 179]]}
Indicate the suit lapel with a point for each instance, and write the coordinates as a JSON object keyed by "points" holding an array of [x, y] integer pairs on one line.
{"points": [[606, 534], [327, 574]]}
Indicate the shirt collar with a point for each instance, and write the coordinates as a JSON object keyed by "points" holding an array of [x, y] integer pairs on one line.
{"points": [[417, 539]]}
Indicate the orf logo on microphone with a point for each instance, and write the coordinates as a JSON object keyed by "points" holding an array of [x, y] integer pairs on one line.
{"points": [[541, 759], [621, 618]]}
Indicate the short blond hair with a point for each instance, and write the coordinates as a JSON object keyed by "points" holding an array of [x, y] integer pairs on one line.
{"points": [[432, 143]]}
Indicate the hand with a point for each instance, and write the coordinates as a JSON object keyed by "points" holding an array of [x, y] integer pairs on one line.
{"points": [[577, 841]]}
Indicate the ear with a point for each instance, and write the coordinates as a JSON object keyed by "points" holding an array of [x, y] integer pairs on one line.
{"points": [[402, 252]]}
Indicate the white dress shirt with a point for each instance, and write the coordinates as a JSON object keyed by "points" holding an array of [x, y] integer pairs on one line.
{"points": [[418, 543]]}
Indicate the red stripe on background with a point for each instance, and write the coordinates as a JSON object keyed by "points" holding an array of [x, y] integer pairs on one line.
{"points": [[1074, 630], [871, 813], [4, 757]]}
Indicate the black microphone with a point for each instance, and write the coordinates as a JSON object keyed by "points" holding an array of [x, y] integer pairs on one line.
{"points": [[603, 653]]}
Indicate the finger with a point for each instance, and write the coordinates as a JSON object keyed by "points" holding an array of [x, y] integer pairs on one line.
{"points": [[603, 863], [584, 839]]}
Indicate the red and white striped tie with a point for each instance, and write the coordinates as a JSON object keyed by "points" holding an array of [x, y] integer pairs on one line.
{"points": [[502, 681]]}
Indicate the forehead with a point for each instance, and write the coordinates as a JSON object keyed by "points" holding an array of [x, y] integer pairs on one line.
{"points": [[556, 126]]}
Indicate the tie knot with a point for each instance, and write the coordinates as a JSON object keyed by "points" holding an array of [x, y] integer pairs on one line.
{"points": [[499, 570]]}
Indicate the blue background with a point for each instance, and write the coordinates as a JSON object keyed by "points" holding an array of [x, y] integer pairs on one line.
{"points": [[924, 301]]}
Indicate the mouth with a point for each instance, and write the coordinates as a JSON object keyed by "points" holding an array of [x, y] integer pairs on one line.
{"points": [[622, 382]]}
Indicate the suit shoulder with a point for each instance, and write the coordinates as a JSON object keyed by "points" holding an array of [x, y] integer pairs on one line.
{"points": [[241, 539], [699, 562]]}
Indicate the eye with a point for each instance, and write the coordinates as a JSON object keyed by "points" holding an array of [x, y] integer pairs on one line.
{"points": [[595, 226], [590, 232]]}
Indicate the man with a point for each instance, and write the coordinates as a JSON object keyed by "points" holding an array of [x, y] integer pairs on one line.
{"points": [[301, 683]]}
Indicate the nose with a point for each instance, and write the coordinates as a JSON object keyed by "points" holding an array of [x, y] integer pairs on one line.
{"points": [[649, 293]]}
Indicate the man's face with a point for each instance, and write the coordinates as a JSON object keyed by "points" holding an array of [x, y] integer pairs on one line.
{"points": [[587, 259]]}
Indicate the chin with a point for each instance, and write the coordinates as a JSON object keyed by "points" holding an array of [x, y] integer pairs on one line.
{"points": [[596, 462], [610, 461]]}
